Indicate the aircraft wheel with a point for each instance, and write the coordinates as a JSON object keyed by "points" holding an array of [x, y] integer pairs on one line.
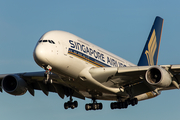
{"points": [[134, 101], [100, 106], [72, 106], [112, 106], [88, 107], [95, 106], [124, 105], [66, 106], [75, 103]]}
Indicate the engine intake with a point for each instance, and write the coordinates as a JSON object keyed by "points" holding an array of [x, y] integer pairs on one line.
{"points": [[14, 85], [158, 76]]}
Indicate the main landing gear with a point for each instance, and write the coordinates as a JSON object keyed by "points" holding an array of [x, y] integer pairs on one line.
{"points": [[94, 106], [121, 105], [70, 104], [99, 106]]}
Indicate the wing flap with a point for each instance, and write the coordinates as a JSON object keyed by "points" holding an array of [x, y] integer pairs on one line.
{"points": [[138, 89]]}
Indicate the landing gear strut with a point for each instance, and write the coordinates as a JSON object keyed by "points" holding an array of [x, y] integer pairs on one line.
{"points": [[47, 74], [121, 105], [94, 106], [70, 104]]}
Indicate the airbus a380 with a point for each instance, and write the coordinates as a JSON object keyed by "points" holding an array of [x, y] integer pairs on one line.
{"points": [[75, 67]]}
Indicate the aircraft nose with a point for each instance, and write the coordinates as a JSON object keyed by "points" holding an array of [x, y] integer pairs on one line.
{"points": [[39, 55]]}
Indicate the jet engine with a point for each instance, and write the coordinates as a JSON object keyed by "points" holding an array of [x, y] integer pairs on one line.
{"points": [[14, 85], [159, 77]]}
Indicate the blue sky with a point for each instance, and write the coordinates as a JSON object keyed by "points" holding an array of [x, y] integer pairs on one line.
{"points": [[118, 26]]}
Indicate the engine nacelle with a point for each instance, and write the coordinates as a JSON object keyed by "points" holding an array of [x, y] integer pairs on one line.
{"points": [[14, 85], [158, 77]]}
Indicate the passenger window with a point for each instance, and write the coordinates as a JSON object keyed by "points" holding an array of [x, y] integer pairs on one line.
{"points": [[44, 40]]}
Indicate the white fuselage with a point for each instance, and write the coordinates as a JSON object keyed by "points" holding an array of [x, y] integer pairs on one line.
{"points": [[70, 55]]}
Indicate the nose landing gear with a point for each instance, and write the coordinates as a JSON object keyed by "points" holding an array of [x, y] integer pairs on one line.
{"points": [[47, 74]]}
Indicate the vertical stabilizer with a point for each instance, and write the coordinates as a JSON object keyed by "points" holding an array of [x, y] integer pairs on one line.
{"points": [[150, 52]]}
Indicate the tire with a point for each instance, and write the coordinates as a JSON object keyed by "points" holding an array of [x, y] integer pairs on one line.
{"points": [[66, 106], [75, 103], [113, 106], [136, 101], [87, 107], [95, 106], [100, 106], [72, 106]]}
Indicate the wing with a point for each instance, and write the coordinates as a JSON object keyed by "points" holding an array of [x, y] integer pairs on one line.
{"points": [[105, 83], [139, 79], [35, 81]]}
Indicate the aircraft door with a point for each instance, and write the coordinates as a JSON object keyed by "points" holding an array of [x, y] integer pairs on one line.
{"points": [[65, 49]]}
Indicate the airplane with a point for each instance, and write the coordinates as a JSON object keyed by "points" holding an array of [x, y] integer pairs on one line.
{"points": [[77, 68]]}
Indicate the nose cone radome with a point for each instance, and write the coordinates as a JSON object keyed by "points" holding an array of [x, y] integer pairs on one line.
{"points": [[39, 55]]}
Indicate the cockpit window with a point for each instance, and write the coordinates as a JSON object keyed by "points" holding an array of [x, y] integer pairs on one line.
{"points": [[53, 42], [44, 40], [50, 41]]}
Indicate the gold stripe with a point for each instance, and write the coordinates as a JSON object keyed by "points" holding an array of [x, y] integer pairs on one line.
{"points": [[88, 60]]}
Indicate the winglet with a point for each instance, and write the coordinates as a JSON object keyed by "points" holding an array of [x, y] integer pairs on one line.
{"points": [[150, 53]]}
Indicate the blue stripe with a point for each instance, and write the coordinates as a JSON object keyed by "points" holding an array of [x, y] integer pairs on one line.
{"points": [[87, 58]]}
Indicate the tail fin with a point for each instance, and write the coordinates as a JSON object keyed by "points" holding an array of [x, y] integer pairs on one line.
{"points": [[150, 53]]}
